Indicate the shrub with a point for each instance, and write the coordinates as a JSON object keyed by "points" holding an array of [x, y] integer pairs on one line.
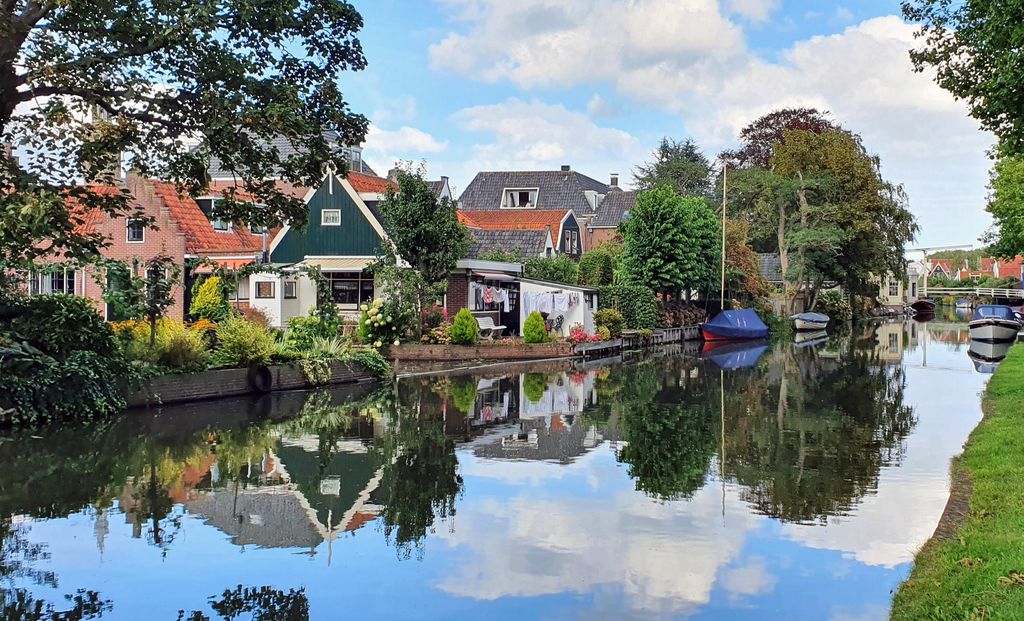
{"points": [[835, 305], [330, 347], [434, 317], [243, 343], [637, 304], [373, 361], [604, 333], [208, 301], [561, 268], [381, 323], [611, 320], [255, 315], [303, 330], [465, 330], [597, 268], [58, 324], [176, 347], [441, 335], [534, 330]]}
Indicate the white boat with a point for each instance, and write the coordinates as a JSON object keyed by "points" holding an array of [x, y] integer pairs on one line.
{"points": [[994, 323], [810, 339], [809, 322], [963, 303]]}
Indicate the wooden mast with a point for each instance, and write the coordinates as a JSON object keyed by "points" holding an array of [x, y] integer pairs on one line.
{"points": [[725, 175]]}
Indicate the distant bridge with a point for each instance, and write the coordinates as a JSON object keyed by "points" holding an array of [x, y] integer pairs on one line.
{"points": [[1008, 294]]}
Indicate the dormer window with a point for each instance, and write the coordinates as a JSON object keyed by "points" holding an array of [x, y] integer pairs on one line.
{"points": [[520, 198], [221, 225]]}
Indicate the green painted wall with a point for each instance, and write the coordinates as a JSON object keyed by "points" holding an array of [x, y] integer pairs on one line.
{"points": [[354, 238]]}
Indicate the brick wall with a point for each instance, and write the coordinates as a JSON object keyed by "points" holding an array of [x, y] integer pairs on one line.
{"points": [[600, 236], [458, 293]]}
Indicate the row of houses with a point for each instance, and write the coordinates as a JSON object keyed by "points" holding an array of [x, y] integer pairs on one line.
{"points": [[991, 267], [527, 213]]}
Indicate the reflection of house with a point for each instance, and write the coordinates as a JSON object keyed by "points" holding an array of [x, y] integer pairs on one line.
{"points": [[559, 437], [894, 338]]}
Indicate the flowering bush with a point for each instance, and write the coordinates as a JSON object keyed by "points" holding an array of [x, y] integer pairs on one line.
{"points": [[441, 335], [433, 317], [378, 326], [579, 335]]}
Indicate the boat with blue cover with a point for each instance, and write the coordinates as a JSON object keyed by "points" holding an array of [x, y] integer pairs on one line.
{"points": [[810, 322], [734, 355], [735, 325], [994, 322]]}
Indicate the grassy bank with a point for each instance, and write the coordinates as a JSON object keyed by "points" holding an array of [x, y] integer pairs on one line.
{"points": [[975, 570]]}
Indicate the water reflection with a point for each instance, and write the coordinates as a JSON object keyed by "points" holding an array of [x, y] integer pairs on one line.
{"points": [[683, 485]]}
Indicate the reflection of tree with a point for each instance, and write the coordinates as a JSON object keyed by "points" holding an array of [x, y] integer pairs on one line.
{"points": [[420, 479], [666, 424], [259, 603], [809, 436]]}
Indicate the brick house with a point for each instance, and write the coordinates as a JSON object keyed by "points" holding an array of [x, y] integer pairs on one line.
{"points": [[604, 226]]}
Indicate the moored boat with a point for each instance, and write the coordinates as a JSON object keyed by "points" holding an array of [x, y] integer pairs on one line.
{"points": [[810, 322], [994, 323], [964, 303], [734, 325], [923, 306]]}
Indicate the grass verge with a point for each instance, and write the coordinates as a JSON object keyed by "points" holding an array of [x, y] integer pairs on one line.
{"points": [[975, 570]]}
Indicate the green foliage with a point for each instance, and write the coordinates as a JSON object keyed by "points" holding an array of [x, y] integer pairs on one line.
{"points": [[383, 322], [1006, 204], [465, 330], [57, 324], [561, 268], [637, 304], [835, 305], [408, 292], [974, 51], [534, 330], [36, 388], [604, 333], [242, 344], [303, 331], [208, 301], [463, 391], [680, 165], [374, 362], [90, 68], [534, 386], [317, 371], [610, 319], [671, 242], [597, 268], [328, 347], [668, 448]]}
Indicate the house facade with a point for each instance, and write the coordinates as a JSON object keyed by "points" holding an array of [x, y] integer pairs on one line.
{"points": [[560, 226]]}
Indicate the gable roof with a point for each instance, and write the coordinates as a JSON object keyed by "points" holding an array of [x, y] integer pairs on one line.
{"points": [[219, 186], [517, 219], [530, 243], [612, 209], [437, 187], [557, 189], [200, 238], [369, 183], [89, 218]]}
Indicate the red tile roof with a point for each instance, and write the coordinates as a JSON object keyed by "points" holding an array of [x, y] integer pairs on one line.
{"points": [[200, 238], [1011, 268], [90, 217], [219, 186], [515, 219], [370, 184]]}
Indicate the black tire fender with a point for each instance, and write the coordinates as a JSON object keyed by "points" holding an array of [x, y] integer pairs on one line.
{"points": [[260, 378]]}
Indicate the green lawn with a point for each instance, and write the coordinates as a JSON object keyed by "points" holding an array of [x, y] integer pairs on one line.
{"points": [[978, 574]]}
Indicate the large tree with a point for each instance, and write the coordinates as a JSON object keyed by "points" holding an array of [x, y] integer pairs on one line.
{"points": [[671, 242], [1006, 204], [677, 164], [758, 139], [164, 86], [974, 48], [425, 231]]}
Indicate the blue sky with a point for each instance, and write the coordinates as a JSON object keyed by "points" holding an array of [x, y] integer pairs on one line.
{"points": [[471, 85]]}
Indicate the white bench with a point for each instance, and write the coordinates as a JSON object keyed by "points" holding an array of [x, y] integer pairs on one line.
{"points": [[487, 327]]}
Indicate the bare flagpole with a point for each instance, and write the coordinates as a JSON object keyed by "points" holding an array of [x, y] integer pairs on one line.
{"points": [[725, 176]]}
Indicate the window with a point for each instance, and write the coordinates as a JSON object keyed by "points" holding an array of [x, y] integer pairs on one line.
{"points": [[330, 217], [257, 229], [913, 289], [525, 198], [894, 288], [572, 242], [136, 231], [62, 282], [265, 289], [221, 225], [350, 289], [290, 290]]}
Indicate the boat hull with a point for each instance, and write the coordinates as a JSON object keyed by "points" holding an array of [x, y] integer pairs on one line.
{"points": [[718, 333], [993, 330], [923, 306], [805, 325]]}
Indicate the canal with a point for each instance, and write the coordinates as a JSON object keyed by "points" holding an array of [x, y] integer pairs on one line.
{"points": [[792, 481]]}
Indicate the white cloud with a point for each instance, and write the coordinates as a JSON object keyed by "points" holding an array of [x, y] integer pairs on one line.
{"points": [[690, 59], [600, 107], [753, 10], [397, 110], [383, 148], [532, 135]]}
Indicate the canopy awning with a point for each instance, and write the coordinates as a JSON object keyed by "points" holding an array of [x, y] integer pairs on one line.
{"points": [[494, 276], [228, 264], [338, 264]]}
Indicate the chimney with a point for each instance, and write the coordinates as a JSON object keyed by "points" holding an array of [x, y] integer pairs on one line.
{"points": [[566, 168], [393, 174], [444, 179], [614, 182]]}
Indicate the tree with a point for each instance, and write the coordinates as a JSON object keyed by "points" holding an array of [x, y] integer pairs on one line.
{"points": [[974, 49], [671, 242], [425, 231], [561, 268], [597, 268], [1006, 204], [85, 85], [140, 297], [678, 164], [760, 136]]}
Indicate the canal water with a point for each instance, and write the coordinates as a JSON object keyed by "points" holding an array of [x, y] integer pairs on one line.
{"points": [[792, 481]]}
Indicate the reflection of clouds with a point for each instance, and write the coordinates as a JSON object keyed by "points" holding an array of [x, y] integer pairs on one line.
{"points": [[663, 556], [750, 579], [871, 612]]}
